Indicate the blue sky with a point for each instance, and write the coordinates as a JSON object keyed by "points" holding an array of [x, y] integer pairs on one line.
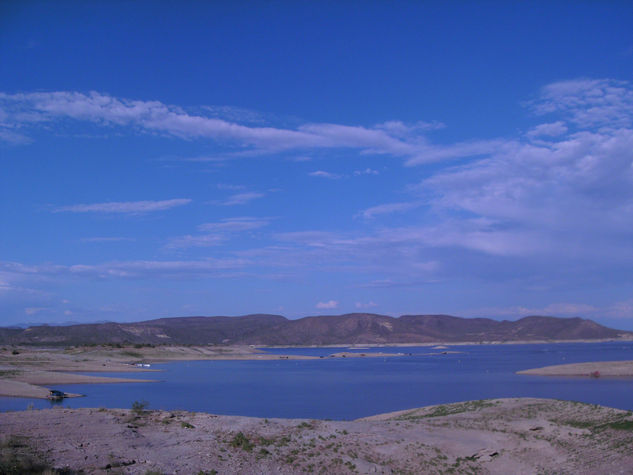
{"points": [[301, 158]]}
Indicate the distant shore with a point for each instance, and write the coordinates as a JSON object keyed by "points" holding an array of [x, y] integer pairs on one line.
{"points": [[27, 371], [594, 369], [451, 343]]}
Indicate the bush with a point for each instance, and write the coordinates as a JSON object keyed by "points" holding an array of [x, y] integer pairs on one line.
{"points": [[240, 440], [139, 407]]}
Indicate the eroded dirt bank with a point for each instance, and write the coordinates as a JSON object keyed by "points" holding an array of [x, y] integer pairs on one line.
{"points": [[494, 436]]}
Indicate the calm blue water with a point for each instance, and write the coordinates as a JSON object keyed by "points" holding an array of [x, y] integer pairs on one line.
{"points": [[338, 388]]}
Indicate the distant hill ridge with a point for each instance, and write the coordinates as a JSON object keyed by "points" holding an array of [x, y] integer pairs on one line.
{"points": [[353, 328]]}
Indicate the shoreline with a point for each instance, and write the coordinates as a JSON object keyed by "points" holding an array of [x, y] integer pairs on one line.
{"points": [[26, 371], [590, 369], [35, 368], [451, 343]]}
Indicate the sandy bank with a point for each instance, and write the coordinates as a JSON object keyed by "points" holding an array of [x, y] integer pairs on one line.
{"points": [[493, 436], [602, 369], [35, 367]]}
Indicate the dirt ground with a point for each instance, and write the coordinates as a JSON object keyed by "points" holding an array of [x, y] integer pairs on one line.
{"points": [[499, 436]]}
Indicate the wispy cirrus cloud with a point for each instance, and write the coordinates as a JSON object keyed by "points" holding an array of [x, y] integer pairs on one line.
{"points": [[124, 207], [217, 232], [229, 186], [244, 223], [585, 103], [106, 239], [366, 171], [241, 198], [324, 174], [204, 240], [389, 208], [126, 269], [24, 111]]}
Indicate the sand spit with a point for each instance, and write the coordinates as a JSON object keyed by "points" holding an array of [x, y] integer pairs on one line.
{"points": [[33, 367], [597, 369], [493, 436]]}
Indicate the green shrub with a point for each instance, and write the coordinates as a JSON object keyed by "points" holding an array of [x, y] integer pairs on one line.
{"points": [[139, 407], [240, 440]]}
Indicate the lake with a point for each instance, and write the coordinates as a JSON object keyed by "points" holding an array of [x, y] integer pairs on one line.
{"points": [[348, 388]]}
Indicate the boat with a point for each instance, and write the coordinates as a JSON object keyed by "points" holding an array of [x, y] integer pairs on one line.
{"points": [[55, 395]]}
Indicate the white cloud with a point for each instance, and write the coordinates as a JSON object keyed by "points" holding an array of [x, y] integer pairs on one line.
{"points": [[15, 271], [362, 305], [571, 195], [389, 208], [616, 310], [366, 171], [219, 232], [235, 224], [400, 129], [588, 102], [242, 198], [324, 174], [9, 136], [437, 153], [34, 310], [330, 304], [106, 239], [205, 240], [126, 207], [34, 109], [553, 129], [585, 103], [228, 186]]}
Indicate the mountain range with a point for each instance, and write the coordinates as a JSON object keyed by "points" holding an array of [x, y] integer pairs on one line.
{"points": [[354, 328]]}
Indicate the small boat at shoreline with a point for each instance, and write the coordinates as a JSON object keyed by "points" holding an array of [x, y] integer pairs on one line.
{"points": [[55, 395]]}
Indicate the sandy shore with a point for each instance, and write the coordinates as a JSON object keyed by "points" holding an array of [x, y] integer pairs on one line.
{"points": [[494, 436], [597, 369], [26, 371], [454, 343]]}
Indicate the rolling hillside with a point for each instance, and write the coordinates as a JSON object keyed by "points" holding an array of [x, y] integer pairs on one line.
{"points": [[355, 328]]}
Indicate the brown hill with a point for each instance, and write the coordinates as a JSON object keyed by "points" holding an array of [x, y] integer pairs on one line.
{"points": [[354, 328]]}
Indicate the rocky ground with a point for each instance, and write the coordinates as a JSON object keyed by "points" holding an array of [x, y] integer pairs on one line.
{"points": [[493, 436]]}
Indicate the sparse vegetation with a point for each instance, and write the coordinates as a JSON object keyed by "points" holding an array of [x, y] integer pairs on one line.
{"points": [[18, 457], [7, 373], [139, 407], [446, 410], [621, 425], [241, 441]]}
